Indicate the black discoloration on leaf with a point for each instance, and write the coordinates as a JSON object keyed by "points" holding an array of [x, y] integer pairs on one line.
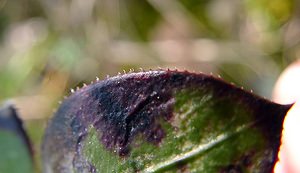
{"points": [[135, 105], [237, 167]]}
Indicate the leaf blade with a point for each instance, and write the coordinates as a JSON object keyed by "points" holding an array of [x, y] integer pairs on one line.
{"points": [[16, 153], [145, 119]]}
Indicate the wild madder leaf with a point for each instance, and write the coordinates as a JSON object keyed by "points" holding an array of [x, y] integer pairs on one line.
{"points": [[163, 121]]}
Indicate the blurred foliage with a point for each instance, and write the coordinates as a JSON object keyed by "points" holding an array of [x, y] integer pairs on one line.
{"points": [[50, 46], [14, 151]]}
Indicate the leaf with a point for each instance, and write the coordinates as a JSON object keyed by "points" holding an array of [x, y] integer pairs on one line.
{"points": [[163, 121], [16, 153]]}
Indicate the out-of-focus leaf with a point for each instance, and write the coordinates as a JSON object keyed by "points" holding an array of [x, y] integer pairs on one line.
{"points": [[277, 12], [137, 26], [163, 121], [15, 149]]}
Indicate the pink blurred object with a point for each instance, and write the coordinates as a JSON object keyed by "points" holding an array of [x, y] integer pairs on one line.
{"points": [[287, 90]]}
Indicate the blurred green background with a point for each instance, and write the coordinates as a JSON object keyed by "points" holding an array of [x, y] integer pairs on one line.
{"points": [[50, 46]]}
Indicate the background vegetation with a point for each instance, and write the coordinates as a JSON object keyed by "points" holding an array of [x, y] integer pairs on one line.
{"points": [[48, 46]]}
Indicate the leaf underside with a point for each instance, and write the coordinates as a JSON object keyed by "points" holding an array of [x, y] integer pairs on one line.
{"points": [[163, 121]]}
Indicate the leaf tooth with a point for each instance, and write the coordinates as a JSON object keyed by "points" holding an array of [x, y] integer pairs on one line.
{"points": [[251, 91], [107, 76], [131, 70], [119, 74], [242, 87], [72, 90], [141, 69], [97, 78], [77, 88], [84, 85], [219, 76], [211, 73], [124, 71]]}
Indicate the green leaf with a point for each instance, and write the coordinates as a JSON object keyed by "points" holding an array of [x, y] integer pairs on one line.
{"points": [[15, 150], [163, 121]]}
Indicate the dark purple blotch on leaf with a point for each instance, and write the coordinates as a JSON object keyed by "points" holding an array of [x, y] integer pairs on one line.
{"points": [[123, 107]]}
